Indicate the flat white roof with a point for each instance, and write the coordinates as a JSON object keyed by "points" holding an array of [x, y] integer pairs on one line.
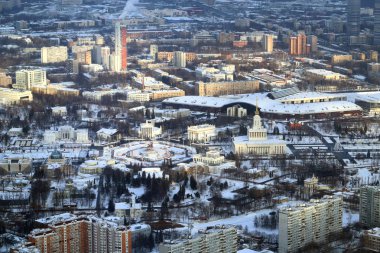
{"points": [[268, 105]]}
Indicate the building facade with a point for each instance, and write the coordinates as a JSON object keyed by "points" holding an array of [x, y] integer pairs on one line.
{"points": [[220, 240], [256, 142], [298, 45], [371, 240], [12, 96], [201, 133], [370, 206], [353, 17], [121, 46], [308, 223], [376, 28], [53, 54], [5, 80], [25, 79], [268, 43], [148, 130], [67, 233], [179, 59], [226, 88]]}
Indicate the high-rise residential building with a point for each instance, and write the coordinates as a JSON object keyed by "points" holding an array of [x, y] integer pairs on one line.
{"points": [[121, 46], [298, 45], [179, 59], [53, 54], [101, 55], [307, 223], [153, 51], [376, 28], [373, 56], [268, 43], [68, 233], [293, 45], [114, 62], [370, 206], [25, 79], [353, 17], [84, 57], [312, 40], [223, 240]]}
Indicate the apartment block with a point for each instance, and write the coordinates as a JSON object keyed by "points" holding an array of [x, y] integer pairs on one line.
{"points": [[25, 79], [370, 206], [371, 240], [68, 233], [5, 80], [223, 240], [307, 223], [53, 54], [226, 88]]}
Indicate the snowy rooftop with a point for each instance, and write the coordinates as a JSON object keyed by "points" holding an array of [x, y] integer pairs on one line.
{"points": [[57, 218], [372, 97], [374, 232], [310, 95], [268, 105], [107, 131]]}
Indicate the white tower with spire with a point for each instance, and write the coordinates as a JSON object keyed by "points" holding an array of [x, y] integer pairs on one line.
{"points": [[257, 132], [256, 142]]}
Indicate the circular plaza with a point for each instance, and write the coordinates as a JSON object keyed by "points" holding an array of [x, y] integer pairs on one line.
{"points": [[153, 153]]}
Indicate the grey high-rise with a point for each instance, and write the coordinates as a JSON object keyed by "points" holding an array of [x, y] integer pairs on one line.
{"points": [[370, 206], [376, 28], [353, 17]]}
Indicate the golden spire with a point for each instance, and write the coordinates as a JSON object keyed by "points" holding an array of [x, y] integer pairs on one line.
{"points": [[257, 108]]}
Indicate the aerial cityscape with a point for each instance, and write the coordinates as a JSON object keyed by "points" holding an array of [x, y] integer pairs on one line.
{"points": [[189, 126]]}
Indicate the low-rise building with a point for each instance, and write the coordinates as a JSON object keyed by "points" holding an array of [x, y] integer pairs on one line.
{"points": [[131, 210], [13, 96], [323, 74], [371, 240], [105, 134], [59, 111], [148, 130], [201, 133], [16, 165], [212, 158], [66, 134], [236, 111]]}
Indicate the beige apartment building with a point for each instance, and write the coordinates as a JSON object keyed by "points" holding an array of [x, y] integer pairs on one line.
{"points": [[226, 88], [53, 54], [371, 240], [5, 80], [307, 223], [158, 95], [222, 240], [27, 78]]}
